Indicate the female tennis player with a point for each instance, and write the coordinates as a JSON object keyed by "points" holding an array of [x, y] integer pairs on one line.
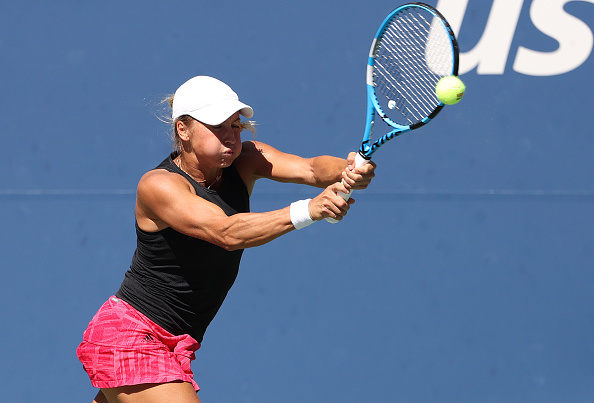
{"points": [[192, 224]]}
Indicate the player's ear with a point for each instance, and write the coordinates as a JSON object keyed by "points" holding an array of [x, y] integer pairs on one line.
{"points": [[182, 130]]}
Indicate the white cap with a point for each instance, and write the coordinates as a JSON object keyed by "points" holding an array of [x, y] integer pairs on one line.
{"points": [[208, 100]]}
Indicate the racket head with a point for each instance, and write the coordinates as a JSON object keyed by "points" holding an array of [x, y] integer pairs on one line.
{"points": [[412, 50]]}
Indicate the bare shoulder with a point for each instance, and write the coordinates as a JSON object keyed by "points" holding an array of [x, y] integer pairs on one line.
{"points": [[250, 162], [264, 161], [251, 152], [161, 180], [159, 190]]}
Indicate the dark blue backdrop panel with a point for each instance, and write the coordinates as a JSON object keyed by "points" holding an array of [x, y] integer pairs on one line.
{"points": [[462, 274]]}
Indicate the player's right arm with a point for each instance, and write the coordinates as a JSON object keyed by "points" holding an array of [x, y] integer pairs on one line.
{"points": [[166, 199]]}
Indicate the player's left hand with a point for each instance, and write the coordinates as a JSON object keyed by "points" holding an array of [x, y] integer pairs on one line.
{"points": [[357, 178]]}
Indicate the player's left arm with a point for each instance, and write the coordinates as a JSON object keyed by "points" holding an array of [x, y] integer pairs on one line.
{"points": [[260, 160]]}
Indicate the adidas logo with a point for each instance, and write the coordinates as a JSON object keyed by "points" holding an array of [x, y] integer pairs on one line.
{"points": [[148, 339]]}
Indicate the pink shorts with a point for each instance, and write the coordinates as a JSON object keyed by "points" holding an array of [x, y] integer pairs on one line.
{"points": [[122, 347]]}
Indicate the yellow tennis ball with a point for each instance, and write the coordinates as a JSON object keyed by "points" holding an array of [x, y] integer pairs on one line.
{"points": [[450, 90]]}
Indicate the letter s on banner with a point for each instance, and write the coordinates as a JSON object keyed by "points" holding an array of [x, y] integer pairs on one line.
{"points": [[574, 37]]}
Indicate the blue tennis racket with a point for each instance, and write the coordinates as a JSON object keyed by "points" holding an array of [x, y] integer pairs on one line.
{"points": [[413, 49]]}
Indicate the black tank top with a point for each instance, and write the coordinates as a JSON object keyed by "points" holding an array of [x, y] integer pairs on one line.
{"points": [[180, 282]]}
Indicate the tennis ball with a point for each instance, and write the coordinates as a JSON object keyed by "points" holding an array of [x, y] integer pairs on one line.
{"points": [[450, 90]]}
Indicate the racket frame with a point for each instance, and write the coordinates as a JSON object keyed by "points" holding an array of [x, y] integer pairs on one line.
{"points": [[373, 107]]}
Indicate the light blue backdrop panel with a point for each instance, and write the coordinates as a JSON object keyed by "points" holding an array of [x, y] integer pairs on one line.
{"points": [[463, 274]]}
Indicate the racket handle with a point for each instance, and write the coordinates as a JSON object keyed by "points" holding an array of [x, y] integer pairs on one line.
{"points": [[359, 161]]}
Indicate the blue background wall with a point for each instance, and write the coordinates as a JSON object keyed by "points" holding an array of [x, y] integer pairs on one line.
{"points": [[463, 274]]}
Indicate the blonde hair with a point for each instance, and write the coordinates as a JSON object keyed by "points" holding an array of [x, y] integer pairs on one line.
{"points": [[176, 144]]}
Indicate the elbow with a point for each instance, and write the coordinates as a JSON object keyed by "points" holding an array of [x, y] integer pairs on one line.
{"points": [[231, 246], [234, 234], [233, 242], [230, 243]]}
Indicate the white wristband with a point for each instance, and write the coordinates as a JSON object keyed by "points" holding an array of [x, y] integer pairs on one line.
{"points": [[300, 214]]}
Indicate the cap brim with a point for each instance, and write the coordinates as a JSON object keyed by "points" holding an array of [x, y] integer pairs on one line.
{"points": [[219, 112]]}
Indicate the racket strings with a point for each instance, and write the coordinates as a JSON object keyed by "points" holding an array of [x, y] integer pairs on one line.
{"points": [[413, 54]]}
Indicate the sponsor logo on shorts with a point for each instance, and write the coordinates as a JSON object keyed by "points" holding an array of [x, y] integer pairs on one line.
{"points": [[148, 339]]}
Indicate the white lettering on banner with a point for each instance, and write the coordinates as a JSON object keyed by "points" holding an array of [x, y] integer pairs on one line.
{"points": [[574, 37], [490, 54]]}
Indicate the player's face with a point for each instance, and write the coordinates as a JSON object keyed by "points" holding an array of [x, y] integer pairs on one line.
{"points": [[219, 144]]}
